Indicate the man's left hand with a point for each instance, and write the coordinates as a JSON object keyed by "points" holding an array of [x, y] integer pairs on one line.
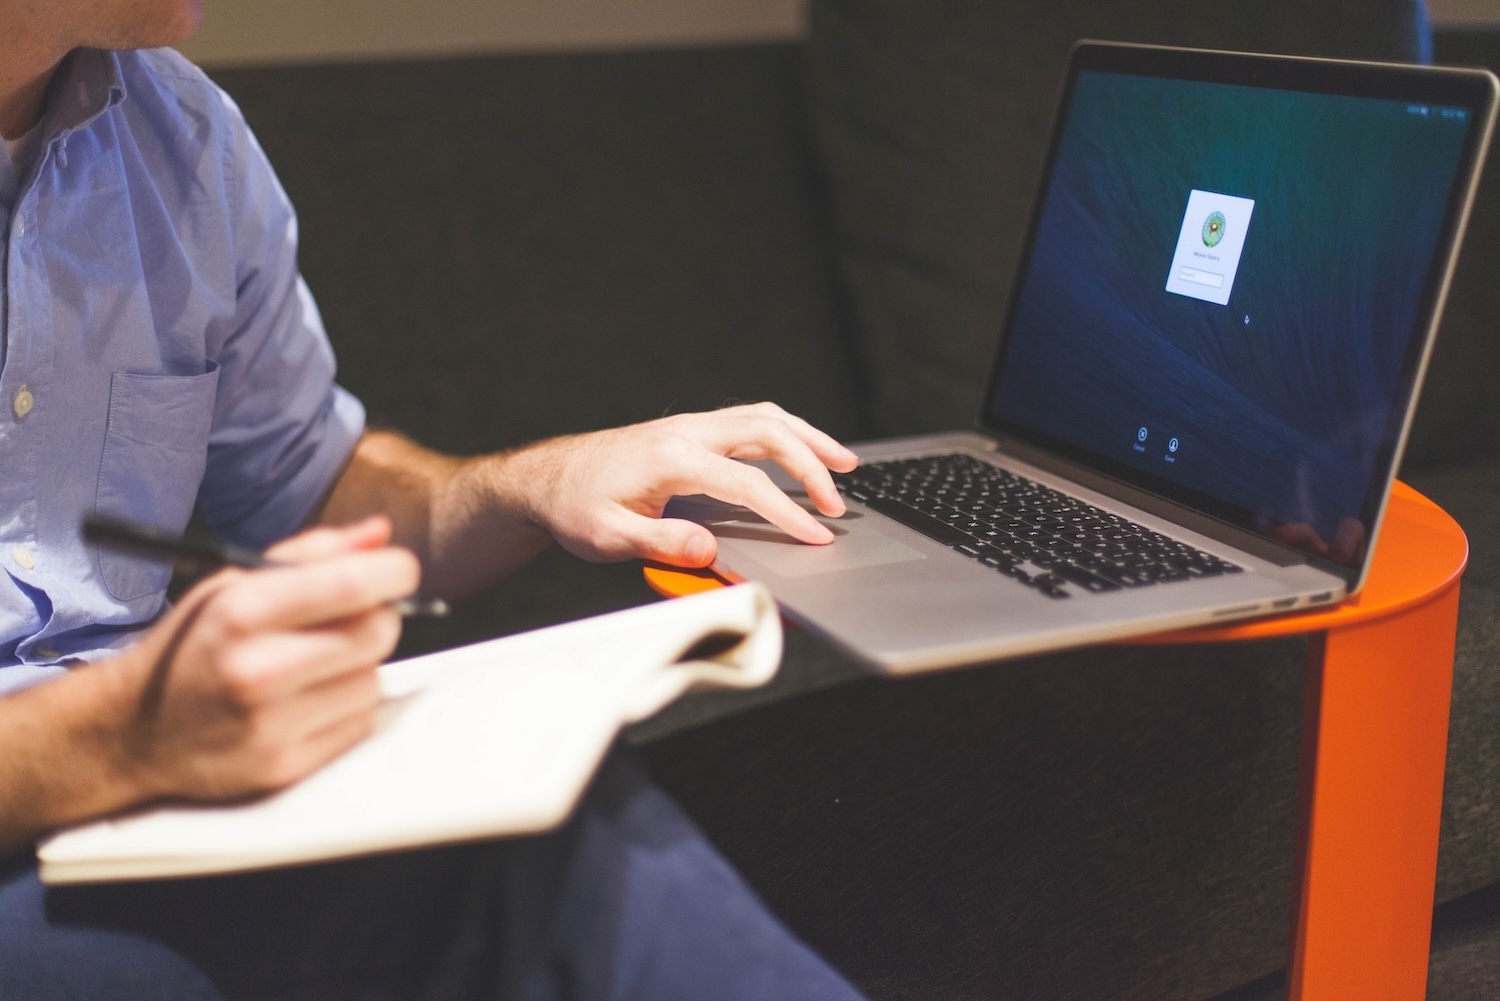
{"points": [[601, 495]]}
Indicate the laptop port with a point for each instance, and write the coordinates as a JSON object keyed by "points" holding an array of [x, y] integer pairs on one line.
{"points": [[1283, 603]]}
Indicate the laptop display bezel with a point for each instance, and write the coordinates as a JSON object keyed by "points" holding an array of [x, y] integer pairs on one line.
{"points": [[1473, 90]]}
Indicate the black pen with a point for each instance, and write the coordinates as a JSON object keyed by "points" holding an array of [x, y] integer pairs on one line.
{"points": [[206, 553]]}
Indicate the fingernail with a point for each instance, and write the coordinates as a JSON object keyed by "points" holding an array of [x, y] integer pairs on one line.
{"points": [[697, 551]]}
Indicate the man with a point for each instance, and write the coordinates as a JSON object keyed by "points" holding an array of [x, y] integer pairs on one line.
{"points": [[162, 355]]}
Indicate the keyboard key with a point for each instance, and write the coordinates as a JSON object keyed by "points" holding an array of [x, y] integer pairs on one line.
{"points": [[1040, 536], [939, 531], [1088, 581]]}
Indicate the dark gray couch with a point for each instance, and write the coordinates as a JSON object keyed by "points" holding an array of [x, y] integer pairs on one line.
{"points": [[514, 247]]}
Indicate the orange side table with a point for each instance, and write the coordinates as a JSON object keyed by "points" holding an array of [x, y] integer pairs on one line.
{"points": [[1374, 746]]}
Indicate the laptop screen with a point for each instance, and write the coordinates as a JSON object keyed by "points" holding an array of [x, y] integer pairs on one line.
{"points": [[1226, 293]]}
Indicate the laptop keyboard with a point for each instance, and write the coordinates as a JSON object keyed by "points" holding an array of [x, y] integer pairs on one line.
{"points": [[1039, 536]]}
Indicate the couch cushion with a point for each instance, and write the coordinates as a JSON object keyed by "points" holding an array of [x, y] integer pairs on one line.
{"points": [[505, 248], [1470, 851], [1459, 414], [514, 247], [1114, 822], [931, 119]]}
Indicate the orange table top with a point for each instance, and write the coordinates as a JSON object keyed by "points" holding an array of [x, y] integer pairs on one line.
{"points": [[1421, 553]]}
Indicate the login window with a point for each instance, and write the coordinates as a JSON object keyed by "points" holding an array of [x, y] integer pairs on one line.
{"points": [[1209, 245]]}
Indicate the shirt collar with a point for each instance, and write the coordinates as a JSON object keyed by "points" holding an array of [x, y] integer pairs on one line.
{"points": [[88, 83]]}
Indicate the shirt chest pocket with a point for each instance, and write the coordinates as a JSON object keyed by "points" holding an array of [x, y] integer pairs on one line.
{"points": [[155, 451]]}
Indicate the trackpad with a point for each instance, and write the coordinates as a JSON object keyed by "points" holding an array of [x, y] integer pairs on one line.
{"points": [[786, 557], [743, 533]]}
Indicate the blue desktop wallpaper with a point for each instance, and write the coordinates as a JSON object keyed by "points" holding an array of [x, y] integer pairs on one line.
{"points": [[1280, 400]]}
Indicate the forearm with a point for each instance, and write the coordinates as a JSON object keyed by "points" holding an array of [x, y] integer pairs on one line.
{"points": [[601, 495], [64, 755], [466, 519]]}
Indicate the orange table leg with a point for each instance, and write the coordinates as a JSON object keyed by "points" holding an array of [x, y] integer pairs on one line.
{"points": [[1375, 737]]}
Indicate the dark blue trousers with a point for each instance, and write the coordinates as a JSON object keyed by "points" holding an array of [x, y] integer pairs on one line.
{"points": [[628, 901]]}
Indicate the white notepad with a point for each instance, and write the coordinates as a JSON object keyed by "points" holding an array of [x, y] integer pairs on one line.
{"points": [[495, 739]]}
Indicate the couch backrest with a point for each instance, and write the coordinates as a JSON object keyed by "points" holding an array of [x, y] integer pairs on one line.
{"points": [[513, 247], [930, 119], [1459, 416]]}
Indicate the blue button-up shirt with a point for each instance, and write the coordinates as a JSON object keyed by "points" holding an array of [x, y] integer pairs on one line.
{"points": [[161, 353]]}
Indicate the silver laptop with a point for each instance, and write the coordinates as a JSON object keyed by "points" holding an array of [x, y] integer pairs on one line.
{"points": [[1224, 307]]}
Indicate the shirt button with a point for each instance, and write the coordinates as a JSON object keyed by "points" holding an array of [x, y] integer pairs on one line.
{"points": [[20, 226], [46, 653], [23, 557], [23, 402]]}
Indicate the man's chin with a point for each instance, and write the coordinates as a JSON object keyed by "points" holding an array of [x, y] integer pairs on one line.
{"points": [[157, 25]]}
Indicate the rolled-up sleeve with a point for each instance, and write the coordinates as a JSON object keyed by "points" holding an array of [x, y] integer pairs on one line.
{"points": [[283, 430]]}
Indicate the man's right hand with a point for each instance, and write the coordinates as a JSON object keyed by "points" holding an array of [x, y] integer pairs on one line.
{"points": [[256, 679]]}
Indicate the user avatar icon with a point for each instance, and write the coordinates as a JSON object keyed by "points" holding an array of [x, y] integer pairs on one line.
{"points": [[1213, 229]]}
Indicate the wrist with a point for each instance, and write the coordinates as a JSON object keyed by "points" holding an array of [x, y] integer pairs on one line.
{"points": [[64, 752], [121, 733], [524, 482]]}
